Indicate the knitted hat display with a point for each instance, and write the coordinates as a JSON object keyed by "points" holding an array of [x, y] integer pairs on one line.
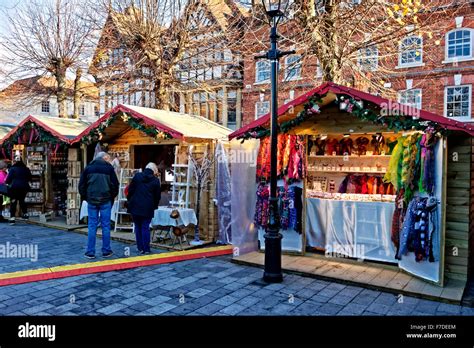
{"points": [[333, 147], [346, 146], [320, 146], [378, 143], [362, 143]]}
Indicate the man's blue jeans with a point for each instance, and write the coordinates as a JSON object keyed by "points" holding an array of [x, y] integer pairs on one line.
{"points": [[94, 210]]}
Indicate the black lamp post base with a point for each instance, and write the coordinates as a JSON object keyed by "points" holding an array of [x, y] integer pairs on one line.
{"points": [[272, 273], [272, 277]]}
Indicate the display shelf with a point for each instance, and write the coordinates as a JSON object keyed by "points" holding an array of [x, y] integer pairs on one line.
{"points": [[346, 171], [349, 156]]}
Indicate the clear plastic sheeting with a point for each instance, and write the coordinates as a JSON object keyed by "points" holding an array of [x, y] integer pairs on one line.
{"points": [[243, 159], [354, 229], [223, 195]]}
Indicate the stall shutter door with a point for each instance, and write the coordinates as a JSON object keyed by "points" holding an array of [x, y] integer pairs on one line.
{"points": [[433, 271]]}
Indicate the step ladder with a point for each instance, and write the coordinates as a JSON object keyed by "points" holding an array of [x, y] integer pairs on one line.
{"points": [[182, 177], [126, 176]]}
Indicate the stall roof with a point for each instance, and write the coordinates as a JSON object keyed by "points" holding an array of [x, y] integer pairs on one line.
{"points": [[331, 90], [178, 125], [64, 129]]}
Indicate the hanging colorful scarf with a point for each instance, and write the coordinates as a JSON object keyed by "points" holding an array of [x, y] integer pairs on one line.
{"points": [[393, 174], [293, 219], [263, 160], [284, 208], [302, 154], [282, 140], [427, 177], [391, 143], [262, 206], [287, 154], [410, 155], [397, 219]]}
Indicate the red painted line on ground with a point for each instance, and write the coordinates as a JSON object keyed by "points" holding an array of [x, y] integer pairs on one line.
{"points": [[108, 268]]}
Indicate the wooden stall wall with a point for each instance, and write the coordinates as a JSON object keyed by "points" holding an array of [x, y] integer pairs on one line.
{"points": [[208, 213], [459, 197]]}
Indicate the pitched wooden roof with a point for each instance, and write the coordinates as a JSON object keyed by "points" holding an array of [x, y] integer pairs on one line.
{"points": [[331, 90]]}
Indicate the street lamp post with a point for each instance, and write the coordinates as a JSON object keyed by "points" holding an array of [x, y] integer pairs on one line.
{"points": [[272, 272]]}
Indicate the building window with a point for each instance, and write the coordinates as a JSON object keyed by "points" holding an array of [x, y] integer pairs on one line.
{"points": [[262, 71], [293, 67], [458, 101], [369, 58], [262, 108], [410, 97], [411, 51], [45, 106], [96, 111], [82, 110], [459, 44]]}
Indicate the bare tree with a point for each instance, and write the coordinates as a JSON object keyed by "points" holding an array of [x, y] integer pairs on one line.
{"points": [[48, 38], [357, 42], [156, 40]]}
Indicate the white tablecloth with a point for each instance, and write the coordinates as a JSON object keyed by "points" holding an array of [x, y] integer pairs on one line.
{"points": [[162, 217], [356, 229], [84, 213]]}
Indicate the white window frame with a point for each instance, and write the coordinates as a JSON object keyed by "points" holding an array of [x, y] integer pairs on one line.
{"points": [[43, 104], [446, 47], [362, 56], [82, 109], [459, 118], [257, 116], [400, 53], [414, 90], [258, 66], [293, 66]]}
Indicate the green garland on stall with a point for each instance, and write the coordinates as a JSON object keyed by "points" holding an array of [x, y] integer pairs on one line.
{"points": [[96, 133], [311, 108], [23, 135], [397, 122]]}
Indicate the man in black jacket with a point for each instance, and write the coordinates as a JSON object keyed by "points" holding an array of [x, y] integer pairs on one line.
{"points": [[18, 181], [143, 197], [99, 186]]}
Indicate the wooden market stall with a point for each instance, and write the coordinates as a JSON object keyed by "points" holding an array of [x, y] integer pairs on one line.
{"points": [[135, 136], [361, 168], [44, 145]]}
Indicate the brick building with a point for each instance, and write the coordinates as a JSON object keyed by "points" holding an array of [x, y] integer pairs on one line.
{"points": [[433, 73], [209, 81]]}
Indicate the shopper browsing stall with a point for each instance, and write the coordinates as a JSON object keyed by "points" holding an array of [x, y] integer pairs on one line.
{"points": [[3, 176], [18, 179], [99, 186], [144, 195]]}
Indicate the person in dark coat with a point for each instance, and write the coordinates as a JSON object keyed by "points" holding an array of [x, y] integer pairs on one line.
{"points": [[99, 186], [18, 181], [144, 194]]}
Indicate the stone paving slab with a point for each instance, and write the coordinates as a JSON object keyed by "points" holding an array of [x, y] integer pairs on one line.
{"points": [[206, 286], [385, 278], [55, 247]]}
